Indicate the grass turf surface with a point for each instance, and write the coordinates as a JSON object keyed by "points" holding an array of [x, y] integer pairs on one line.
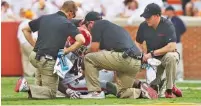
{"points": [[9, 97]]}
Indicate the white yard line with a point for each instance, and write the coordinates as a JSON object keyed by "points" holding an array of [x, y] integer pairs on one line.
{"points": [[190, 81], [193, 88]]}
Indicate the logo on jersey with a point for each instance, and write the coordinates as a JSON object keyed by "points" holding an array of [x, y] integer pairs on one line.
{"points": [[161, 34]]}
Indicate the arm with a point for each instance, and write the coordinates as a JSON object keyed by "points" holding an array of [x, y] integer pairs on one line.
{"points": [[32, 27], [139, 46], [94, 47], [80, 40], [168, 48], [27, 34], [140, 39], [170, 42]]}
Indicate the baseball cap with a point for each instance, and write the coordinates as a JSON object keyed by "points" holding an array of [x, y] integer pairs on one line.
{"points": [[92, 16], [151, 9], [169, 8]]}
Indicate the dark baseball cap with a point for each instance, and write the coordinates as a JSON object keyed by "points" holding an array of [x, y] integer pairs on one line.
{"points": [[151, 9], [169, 8], [92, 16]]}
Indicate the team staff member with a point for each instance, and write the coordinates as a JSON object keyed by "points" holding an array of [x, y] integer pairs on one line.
{"points": [[159, 34], [108, 54], [53, 31]]}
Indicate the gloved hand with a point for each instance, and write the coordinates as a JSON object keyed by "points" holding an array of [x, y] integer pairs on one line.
{"points": [[73, 94]]}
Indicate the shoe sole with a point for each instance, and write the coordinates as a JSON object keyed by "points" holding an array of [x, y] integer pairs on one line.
{"points": [[150, 92], [17, 87], [176, 94], [173, 96], [111, 88], [92, 97]]}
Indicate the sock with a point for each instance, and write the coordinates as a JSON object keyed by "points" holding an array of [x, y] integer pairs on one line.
{"points": [[169, 91]]}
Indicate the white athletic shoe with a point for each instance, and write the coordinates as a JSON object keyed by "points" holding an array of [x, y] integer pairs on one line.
{"points": [[93, 95], [22, 85], [73, 94]]}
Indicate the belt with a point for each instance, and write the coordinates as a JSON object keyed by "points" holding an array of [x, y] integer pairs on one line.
{"points": [[118, 50], [137, 57], [46, 56], [126, 55], [45, 53]]}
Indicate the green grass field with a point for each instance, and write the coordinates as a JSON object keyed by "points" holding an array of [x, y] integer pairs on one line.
{"points": [[9, 97]]}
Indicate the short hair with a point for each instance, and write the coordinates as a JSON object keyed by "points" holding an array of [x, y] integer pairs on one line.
{"points": [[128, 1], [69, 6], [29, 14], [3, 3]]}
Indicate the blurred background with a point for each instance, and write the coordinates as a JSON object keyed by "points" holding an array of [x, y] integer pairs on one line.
{"points": [[125, 13]]}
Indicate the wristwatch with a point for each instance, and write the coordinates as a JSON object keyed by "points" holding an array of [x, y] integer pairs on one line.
{"points": [[152, 53]]}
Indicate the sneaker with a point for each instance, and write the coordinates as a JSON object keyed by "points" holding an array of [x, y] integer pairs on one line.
{"points": [[177, 91], [93, 95], [111, 88], [148, 92], [22, 85], [73, 94], [169, 95]]}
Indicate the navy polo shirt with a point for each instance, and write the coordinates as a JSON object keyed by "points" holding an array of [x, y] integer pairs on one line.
{"points": [[110, 36], [156, 38], [53, 31]]}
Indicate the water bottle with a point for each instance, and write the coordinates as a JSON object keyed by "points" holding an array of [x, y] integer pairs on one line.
{"points": [[62, 60]]}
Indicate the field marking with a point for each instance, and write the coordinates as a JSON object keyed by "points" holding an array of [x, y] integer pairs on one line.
{"points": [[193, 88]]}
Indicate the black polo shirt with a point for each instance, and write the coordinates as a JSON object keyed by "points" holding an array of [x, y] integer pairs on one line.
{"points": [[110, 36], [53, 31], [156, 38]]}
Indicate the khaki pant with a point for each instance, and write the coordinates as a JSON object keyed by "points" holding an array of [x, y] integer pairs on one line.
{"points": [[169, 64], [28, 68], [49, 81], [126, 70]]}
